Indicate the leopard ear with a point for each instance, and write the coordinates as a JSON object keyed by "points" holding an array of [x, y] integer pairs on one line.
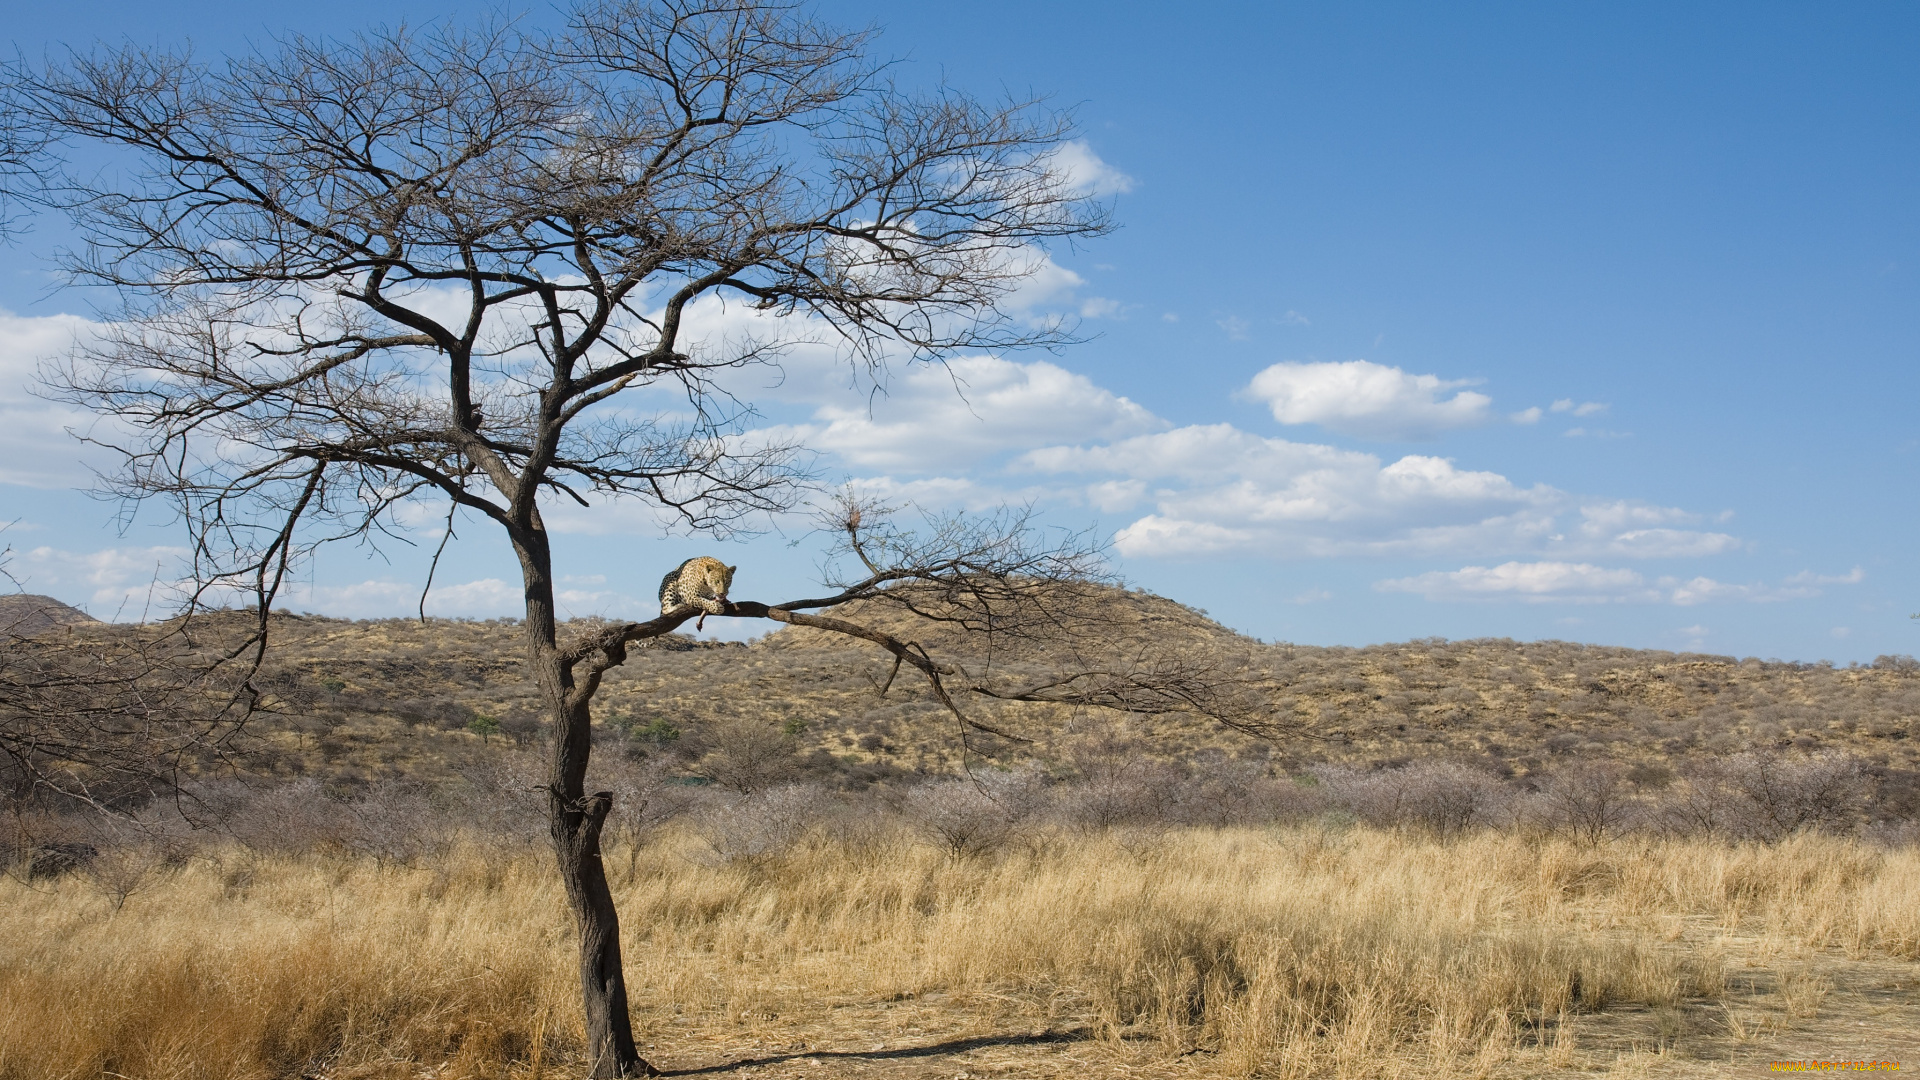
{"points": [[731, 569]]}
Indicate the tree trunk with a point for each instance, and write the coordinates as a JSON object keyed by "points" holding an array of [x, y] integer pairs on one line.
{"points": [[574, 823]]}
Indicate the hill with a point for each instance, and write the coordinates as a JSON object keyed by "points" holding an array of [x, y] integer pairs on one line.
{"points": [[358, 701], [27, 614]]}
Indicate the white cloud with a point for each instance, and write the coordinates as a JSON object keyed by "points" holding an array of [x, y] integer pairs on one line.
{"points": [[973, 408], [134, 583], [1576, 582], [1585, 408], [1526, 416], [1670, 543], [35, 449], [386, 598], [1047, 289], [1215, 488], [1237, 328], [1639, 530], [933, 491], [1086, 172], [1114, 496], [1584, 583], [1358, 397], [1808, 577], [1156, 535], [112, 583]]}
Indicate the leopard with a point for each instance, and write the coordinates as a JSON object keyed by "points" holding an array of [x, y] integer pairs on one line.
{"points": [[702, 582]]}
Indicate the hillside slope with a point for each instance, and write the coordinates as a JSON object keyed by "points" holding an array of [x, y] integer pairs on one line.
{"points": [[357, 701], [27, 614]]}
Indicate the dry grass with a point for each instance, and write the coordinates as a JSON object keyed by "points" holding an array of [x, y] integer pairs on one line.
{"points": [[1291, 951]]}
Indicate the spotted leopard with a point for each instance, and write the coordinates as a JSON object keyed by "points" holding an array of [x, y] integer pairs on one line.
{"points": [[702, 582]]}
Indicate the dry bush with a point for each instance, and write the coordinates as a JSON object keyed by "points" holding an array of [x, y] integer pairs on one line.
{"points": [[1287, 950], [1589, 802], [1441, 798], [1119, 783], [1761, 795], [974, 815], [747, 755], [760, 828]]}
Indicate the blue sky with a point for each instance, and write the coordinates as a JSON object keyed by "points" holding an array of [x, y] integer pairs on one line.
{"points": [[1593, 322]]}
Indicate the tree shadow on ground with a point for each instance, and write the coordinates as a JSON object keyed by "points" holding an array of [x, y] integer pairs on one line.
{"points": [[952, 1046]]}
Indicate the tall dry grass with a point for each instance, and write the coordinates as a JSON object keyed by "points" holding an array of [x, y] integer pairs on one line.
{"points": [[1291, 949]]}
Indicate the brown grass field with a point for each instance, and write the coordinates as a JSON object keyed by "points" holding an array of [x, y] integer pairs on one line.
{"points": [[1304, 950], [1175, 900]]}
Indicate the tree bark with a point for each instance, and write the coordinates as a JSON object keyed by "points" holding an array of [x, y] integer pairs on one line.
{"points": [[574, 823]]}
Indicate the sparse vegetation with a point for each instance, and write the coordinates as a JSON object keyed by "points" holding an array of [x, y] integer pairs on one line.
{"points": [[812, 868], [356, 702]]}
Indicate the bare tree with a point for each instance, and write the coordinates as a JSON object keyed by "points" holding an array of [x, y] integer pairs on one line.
{"points": [[450, 264]]}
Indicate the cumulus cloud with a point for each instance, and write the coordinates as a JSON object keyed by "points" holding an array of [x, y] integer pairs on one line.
{"points": [[111, 583], [1214, 488], [1549, 581], [1576, 582], [1048, 293], [35, 449], [1086, 172], [1585, 408], [1217, 488], [1368, 400], [1640, 530], [970, 409], [147, 582]]}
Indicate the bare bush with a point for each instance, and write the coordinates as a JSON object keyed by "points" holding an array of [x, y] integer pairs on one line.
{"points": [[761, 828], [1118, 784], [1823, 791], [281, 818], [1761, 795], [974, 816], [748, 755], [507, 797], [1220, 793], [1588, 803], [135, 862], [1437, 797], [648, 793], [402, 821], [53, 858]]}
